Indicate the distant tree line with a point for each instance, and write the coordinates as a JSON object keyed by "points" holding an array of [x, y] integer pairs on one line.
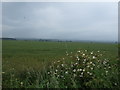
{"points": [[8, 38]]}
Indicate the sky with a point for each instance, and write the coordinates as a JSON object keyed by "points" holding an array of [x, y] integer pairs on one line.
{"points": [[69, 21]]}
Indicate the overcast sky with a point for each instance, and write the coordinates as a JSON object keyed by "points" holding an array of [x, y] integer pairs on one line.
{"points": [[70, 21]]}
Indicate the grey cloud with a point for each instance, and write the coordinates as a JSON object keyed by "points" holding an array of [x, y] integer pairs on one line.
{"points": [[81, 21]]}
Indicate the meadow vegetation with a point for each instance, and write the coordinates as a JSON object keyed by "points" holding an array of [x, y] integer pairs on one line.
{"points": [[35, 64]]}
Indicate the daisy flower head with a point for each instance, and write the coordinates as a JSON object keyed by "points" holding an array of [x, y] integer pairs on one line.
{"points": [[83, 70], [90, 62], [62, 65], [93, 57], [74, 70], [90, 73], [66, 72], [78, 51], [91, 53], [80, 69], [83, 54], [98, 51]]}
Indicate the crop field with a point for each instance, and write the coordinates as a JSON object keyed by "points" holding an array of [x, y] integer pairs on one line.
{"points": [[37, 64]]}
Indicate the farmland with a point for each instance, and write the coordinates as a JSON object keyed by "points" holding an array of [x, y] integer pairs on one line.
{"points": [[36, 64]]}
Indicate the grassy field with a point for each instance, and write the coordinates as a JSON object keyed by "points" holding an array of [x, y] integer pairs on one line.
{"points": [[35, 64]]}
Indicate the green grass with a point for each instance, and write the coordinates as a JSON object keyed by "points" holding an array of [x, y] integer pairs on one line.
{"points": [[27, 63]]}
